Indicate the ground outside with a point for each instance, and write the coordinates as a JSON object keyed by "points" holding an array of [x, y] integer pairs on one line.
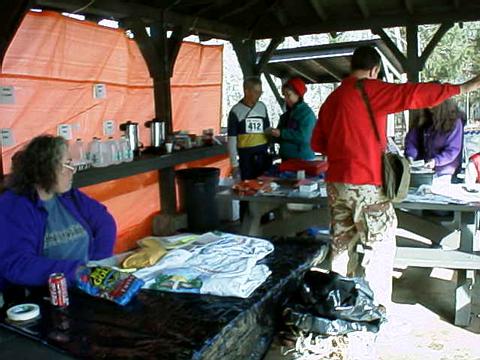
{"points": [[420, 327]]}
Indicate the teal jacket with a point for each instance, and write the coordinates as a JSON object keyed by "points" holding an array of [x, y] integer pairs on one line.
{"points": [[296, 126]]}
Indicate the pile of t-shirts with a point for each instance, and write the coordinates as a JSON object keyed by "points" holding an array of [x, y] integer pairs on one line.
{"points": [[226, 266]]}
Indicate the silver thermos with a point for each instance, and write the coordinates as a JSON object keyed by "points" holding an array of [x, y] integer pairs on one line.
{"points": [[157, 132], [131, 133]]}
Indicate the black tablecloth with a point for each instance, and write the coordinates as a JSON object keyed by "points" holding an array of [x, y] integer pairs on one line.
{"points": [[177, 326]]}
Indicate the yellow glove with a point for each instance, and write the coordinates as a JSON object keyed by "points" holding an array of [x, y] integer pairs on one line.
{"points": [[149, 253]]}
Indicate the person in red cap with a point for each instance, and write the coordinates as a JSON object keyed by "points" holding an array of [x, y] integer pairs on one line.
{"points": [[295, 126]]}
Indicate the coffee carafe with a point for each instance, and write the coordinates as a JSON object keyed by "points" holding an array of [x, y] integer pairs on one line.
{"points": [[131, 133], [157, 132]]}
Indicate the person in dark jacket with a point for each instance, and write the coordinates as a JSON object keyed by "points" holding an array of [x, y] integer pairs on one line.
{"points": [[295, 126], [48, 227], [437, 139]]}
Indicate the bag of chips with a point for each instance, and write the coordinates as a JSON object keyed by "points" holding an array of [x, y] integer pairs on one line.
{"points": [[107, 283]]}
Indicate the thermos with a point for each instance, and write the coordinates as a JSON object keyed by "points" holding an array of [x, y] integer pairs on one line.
{"points": [[131, 133], [157, 132]]}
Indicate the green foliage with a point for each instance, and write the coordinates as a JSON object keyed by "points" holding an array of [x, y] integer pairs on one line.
{"points": [[455, 58]]}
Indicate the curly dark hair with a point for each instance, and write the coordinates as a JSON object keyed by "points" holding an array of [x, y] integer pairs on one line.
{"points": [[37, 164], [442, 116]]}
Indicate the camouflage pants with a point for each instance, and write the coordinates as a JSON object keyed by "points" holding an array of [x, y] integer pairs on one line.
{"points": [[363, 224]]}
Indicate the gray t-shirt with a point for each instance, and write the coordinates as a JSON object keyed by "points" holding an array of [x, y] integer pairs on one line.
{"points": [[65, 238]]}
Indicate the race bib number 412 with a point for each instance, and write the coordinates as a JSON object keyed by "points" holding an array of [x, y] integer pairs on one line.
{"points": [[254, 126]]}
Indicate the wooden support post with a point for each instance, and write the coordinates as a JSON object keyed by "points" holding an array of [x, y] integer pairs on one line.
{"points": [[168, 194], [247, 56], [413, 59], [274, 89], [160, 54]]}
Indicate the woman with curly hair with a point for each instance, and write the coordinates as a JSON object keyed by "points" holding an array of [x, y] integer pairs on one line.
{"points": [[437, 139], [47, 226]]}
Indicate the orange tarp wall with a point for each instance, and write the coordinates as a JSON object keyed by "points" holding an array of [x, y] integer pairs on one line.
{"points": [[53, 63]]}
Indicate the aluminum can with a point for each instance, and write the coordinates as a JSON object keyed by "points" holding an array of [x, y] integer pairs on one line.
{"points": [[57, 284]]}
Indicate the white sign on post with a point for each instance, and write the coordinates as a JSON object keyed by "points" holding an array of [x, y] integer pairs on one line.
{"points": [[99, 91], [65, 130], [108, 127], [7, 95], [6, 138]]}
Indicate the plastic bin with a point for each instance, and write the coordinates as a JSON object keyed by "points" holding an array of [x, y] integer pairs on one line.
{"points": [[197, 190]]}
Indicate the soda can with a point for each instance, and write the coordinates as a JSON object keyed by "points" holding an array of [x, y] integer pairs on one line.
{"points": [[57, 284]]}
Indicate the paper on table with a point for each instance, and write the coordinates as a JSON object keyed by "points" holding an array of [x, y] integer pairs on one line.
{"points": [[457, 192]]}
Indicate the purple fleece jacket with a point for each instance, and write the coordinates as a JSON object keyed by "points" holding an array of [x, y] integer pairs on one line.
{"points": [[444, 147], [23, 221]]}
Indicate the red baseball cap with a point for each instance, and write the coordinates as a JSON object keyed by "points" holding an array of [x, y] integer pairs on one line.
{"points": [[298, 85]]}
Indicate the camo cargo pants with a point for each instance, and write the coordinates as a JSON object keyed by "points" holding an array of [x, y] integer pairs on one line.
{"points": [[363, 224]]}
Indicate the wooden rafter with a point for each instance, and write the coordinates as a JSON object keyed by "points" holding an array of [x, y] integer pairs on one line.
{"points": [[299, 71], [274, 89], [378, 21], [328, 68], [391, 46], [319, 9], [362, 4], [238, 10], [409, 6], [266, 55], [120, 10], [442, 30]]}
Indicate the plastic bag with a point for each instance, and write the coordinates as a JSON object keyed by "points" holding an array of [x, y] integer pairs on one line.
{"points": [[109, 284], [332, 304]]}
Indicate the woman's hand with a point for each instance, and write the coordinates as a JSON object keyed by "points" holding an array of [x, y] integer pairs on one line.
{"points": [[430, 164], [275, 132]]}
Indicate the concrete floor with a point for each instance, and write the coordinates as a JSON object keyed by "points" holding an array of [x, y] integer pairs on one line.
{"points": [[422, 322]]}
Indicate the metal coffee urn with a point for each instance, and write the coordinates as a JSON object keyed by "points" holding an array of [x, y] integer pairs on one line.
{"points": [[131, 133], [157, 132]]}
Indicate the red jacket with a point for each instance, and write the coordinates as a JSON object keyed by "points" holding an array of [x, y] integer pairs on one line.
{"points": [[344, 132]]}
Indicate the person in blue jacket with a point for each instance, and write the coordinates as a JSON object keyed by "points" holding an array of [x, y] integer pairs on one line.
{"points": [[295, 126], [48, 227]]}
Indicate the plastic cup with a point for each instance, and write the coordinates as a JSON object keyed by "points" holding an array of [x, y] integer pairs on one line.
{"points": [[169, 147]]}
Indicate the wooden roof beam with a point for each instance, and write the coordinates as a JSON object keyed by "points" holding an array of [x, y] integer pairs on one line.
{"points": [[319, 9], [274, 89], [409, 6], [267, 54], [442, 30], [121, 10], [329, 69], [238, 10], [296, 69], [464, 13], [391, 46], [362, 4]]}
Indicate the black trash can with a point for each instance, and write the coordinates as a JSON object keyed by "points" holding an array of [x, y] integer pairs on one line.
{"points": [[197, 190]]}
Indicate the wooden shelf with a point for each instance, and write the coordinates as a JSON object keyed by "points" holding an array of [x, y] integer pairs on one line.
{"points": [[145, 163]]}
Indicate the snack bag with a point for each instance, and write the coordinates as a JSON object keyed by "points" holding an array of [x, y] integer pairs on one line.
{"points": [[107, 283]]}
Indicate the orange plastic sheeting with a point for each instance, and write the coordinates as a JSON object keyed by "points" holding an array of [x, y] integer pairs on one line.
{"points": [[53, 63]]}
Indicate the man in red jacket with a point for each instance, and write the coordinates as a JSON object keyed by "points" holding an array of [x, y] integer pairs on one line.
{"points": [[363, 221]]}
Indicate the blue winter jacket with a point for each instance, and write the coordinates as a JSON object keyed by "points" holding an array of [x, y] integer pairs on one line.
{"points": [[296, 126], [23, 221]]}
